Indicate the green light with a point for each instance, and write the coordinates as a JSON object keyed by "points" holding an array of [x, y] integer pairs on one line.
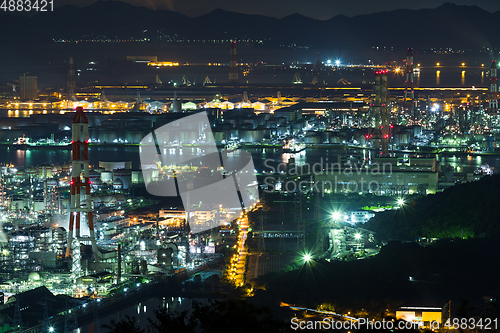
{"points": [[307, 257], [51, 329], [401, 202], [357, 236]]}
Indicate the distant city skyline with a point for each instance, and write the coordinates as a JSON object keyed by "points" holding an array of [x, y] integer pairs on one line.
{"points": [[317, 9]]}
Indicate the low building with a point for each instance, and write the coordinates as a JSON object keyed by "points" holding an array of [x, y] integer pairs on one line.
{"points": [[423, 314]]}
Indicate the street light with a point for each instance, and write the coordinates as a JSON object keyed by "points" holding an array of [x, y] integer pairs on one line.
{"points": [[336, 215], [357, 236], [401, 202], [51, 329], [306, 258]]}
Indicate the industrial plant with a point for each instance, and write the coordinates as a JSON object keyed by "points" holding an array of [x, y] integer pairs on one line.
{"points": [[148, 176]]}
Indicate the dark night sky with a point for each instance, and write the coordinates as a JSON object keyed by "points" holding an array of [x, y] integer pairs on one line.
{"points": [[318, 9]]}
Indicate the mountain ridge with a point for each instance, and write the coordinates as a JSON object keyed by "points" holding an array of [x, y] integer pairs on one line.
{"points": [[448, 25]]}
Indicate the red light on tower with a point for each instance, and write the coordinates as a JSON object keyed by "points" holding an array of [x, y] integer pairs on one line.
{"points": [[81, 203]]}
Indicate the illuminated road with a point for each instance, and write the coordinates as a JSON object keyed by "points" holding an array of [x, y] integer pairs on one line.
{"points": [[238, 261]]}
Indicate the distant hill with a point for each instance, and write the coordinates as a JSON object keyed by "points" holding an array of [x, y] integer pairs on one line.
{"points": [[446, 26], [470, 209]]}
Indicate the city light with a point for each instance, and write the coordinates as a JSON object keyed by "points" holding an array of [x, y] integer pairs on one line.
{"points": [[338, 152], [336, 215]]}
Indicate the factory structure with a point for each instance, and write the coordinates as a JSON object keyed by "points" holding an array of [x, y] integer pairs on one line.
{"points": [[76, 228], [90, 230]]}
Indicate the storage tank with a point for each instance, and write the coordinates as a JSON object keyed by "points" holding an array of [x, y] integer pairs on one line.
{"points": [[125, 176], [117, 184], [108, 200], [335, 139], [31, 172], [120, 198], [21, 174], [58, 168], [45, 171], [106, 176], [96, 201], [42, 171], [66, 168], [97, 183], [51, 182], [93, 175], [313, 137]]}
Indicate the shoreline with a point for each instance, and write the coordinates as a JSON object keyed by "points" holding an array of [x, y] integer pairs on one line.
{"points": [[333, 146]]}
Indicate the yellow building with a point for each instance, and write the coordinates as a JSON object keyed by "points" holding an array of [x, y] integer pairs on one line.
{"points": [[420, 314]]}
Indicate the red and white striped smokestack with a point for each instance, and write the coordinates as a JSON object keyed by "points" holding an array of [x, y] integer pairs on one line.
{"points": [[493, 105], [79, 180]]}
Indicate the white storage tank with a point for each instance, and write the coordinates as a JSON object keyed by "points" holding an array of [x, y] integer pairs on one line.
{"points": [[117, 184], [57, 168], [108, 200], [51, 182], [120, 198], [106, 176], [97, 183], [96, 201]]}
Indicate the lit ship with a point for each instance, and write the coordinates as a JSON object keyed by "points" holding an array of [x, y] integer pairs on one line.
{"points": [[290, 146], [232, 147]]}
